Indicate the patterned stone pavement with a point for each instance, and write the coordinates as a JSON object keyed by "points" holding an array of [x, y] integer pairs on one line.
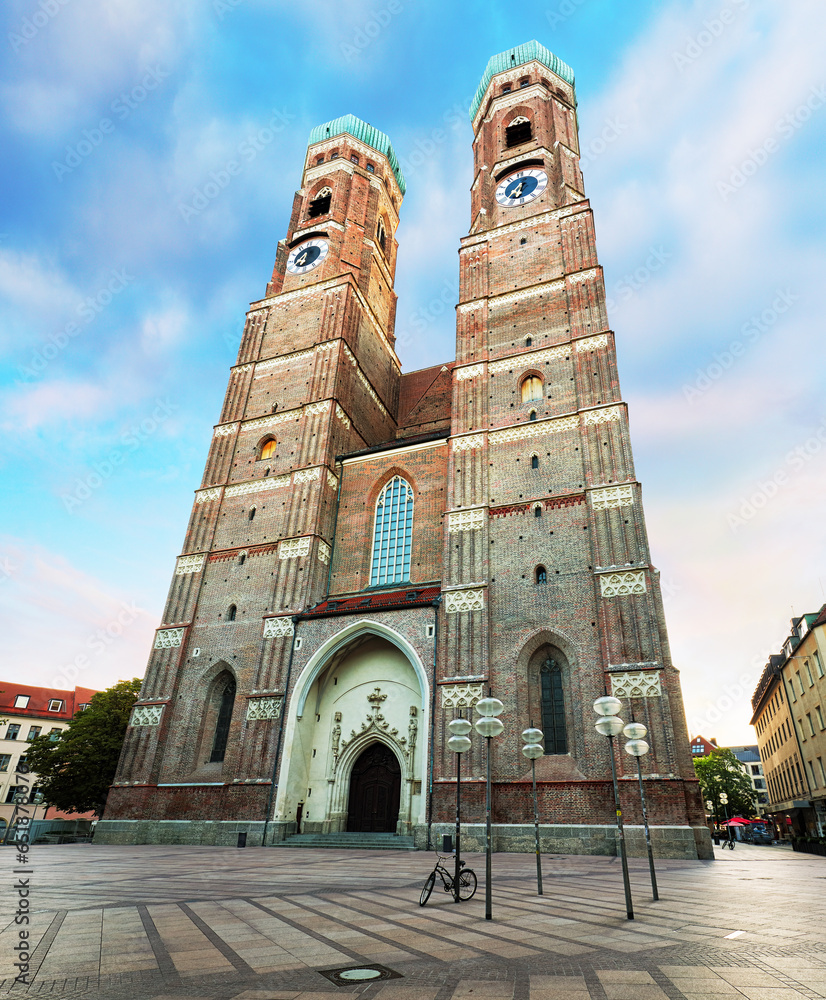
{"points": [[168, 923]]}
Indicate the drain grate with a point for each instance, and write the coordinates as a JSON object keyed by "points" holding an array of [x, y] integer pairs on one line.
{"points": [[359, 974]]}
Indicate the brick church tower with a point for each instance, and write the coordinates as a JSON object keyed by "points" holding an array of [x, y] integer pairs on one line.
{"points": [[371, 551]]}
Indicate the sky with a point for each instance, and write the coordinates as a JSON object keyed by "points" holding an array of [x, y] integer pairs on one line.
{"points": [[128, 256]]}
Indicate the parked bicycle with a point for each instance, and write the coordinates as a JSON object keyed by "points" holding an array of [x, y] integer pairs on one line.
{"points": [[467, 881]]}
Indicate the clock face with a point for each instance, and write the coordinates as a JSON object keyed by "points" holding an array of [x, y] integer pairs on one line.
{"points": [[307, 256], [521, 187]]}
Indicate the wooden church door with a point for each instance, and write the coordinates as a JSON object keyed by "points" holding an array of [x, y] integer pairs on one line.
{"points": [[375, 788]]}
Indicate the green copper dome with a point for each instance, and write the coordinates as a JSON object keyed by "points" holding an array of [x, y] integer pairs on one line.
{"points": [[510, 59], [351, 125]]}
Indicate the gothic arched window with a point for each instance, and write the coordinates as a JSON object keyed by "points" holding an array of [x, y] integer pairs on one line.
{"points": [[225, 705], [392, 533], [381, 237], [518, 131], [541, 574], [553, 706], [320, 205], [267, 448], [534, 461], [531, 388], [231, 613]]}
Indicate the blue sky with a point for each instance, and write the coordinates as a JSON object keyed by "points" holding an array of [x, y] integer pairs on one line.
{"points": [[121, 307]]}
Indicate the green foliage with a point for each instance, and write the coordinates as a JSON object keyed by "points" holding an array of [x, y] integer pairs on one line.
{"points": [[75, 771], [722, 772]]}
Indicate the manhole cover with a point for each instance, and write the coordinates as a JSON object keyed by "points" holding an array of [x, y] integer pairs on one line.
{"points": [[359, 974]]}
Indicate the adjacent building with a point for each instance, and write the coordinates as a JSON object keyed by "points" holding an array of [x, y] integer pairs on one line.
{"points": [[27, 712], [371, 552], [749, 757], [789, 708]]}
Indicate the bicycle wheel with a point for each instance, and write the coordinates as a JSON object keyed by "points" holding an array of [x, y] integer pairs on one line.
{"points": [[467, 883], [428, 888]]}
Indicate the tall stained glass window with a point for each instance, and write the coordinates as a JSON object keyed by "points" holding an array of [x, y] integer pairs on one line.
{"points": [[553, 707], [392, 534]]}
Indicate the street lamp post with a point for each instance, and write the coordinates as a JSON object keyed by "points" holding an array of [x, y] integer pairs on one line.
{"points": [[488, 726], [724, 804], [532, 749], [637, 747], [610, 725], [459, 742]]}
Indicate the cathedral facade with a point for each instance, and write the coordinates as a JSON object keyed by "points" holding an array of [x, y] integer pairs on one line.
{"points": [[372, 552]]}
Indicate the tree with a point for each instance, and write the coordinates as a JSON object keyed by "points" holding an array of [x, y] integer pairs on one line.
{"points": [[75, 770], [720, 772]]}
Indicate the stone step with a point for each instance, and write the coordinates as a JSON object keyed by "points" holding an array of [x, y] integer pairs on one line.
{"points": [[350, 841]]}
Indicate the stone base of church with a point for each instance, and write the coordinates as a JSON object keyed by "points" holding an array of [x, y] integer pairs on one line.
{"points": [[207, 833], [689, 843]]}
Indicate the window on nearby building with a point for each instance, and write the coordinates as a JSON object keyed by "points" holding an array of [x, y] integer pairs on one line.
{"points": [[225, 706], [791, 692], [537, 511], [819, 714], [353, 158], [528, 341], [532, 415], [267, 448], [811, 724], [517, 132], [231, 613], [22, 701], [5, 760], [541, 574], [802, 734], [818, 664], [531, 388], [12, 731], [526, 82], [392, 533], [334, 155], [82, 708], [799, 682], [809, 673], [251, 514], [242, 559], [320, 205], [812, 772], [755, 769], [822, 772], [381, 236], [553, 707], [54, 733], [34, 732], [370, 168], [506, 88], [759, 783], [55, 705], [534, 461]]}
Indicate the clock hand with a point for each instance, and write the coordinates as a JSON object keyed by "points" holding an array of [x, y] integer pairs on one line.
{"points": [[517, 191]]}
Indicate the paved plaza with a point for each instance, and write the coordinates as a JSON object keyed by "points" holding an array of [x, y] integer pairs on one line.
{"points": [[162, 923]]}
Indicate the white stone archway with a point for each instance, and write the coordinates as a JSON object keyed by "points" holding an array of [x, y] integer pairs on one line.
{"points": [[364, 684]]}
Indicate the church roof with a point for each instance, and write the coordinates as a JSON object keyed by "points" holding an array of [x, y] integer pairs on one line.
{"points": [[529, 52], [410, 597], [351, 125]]}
